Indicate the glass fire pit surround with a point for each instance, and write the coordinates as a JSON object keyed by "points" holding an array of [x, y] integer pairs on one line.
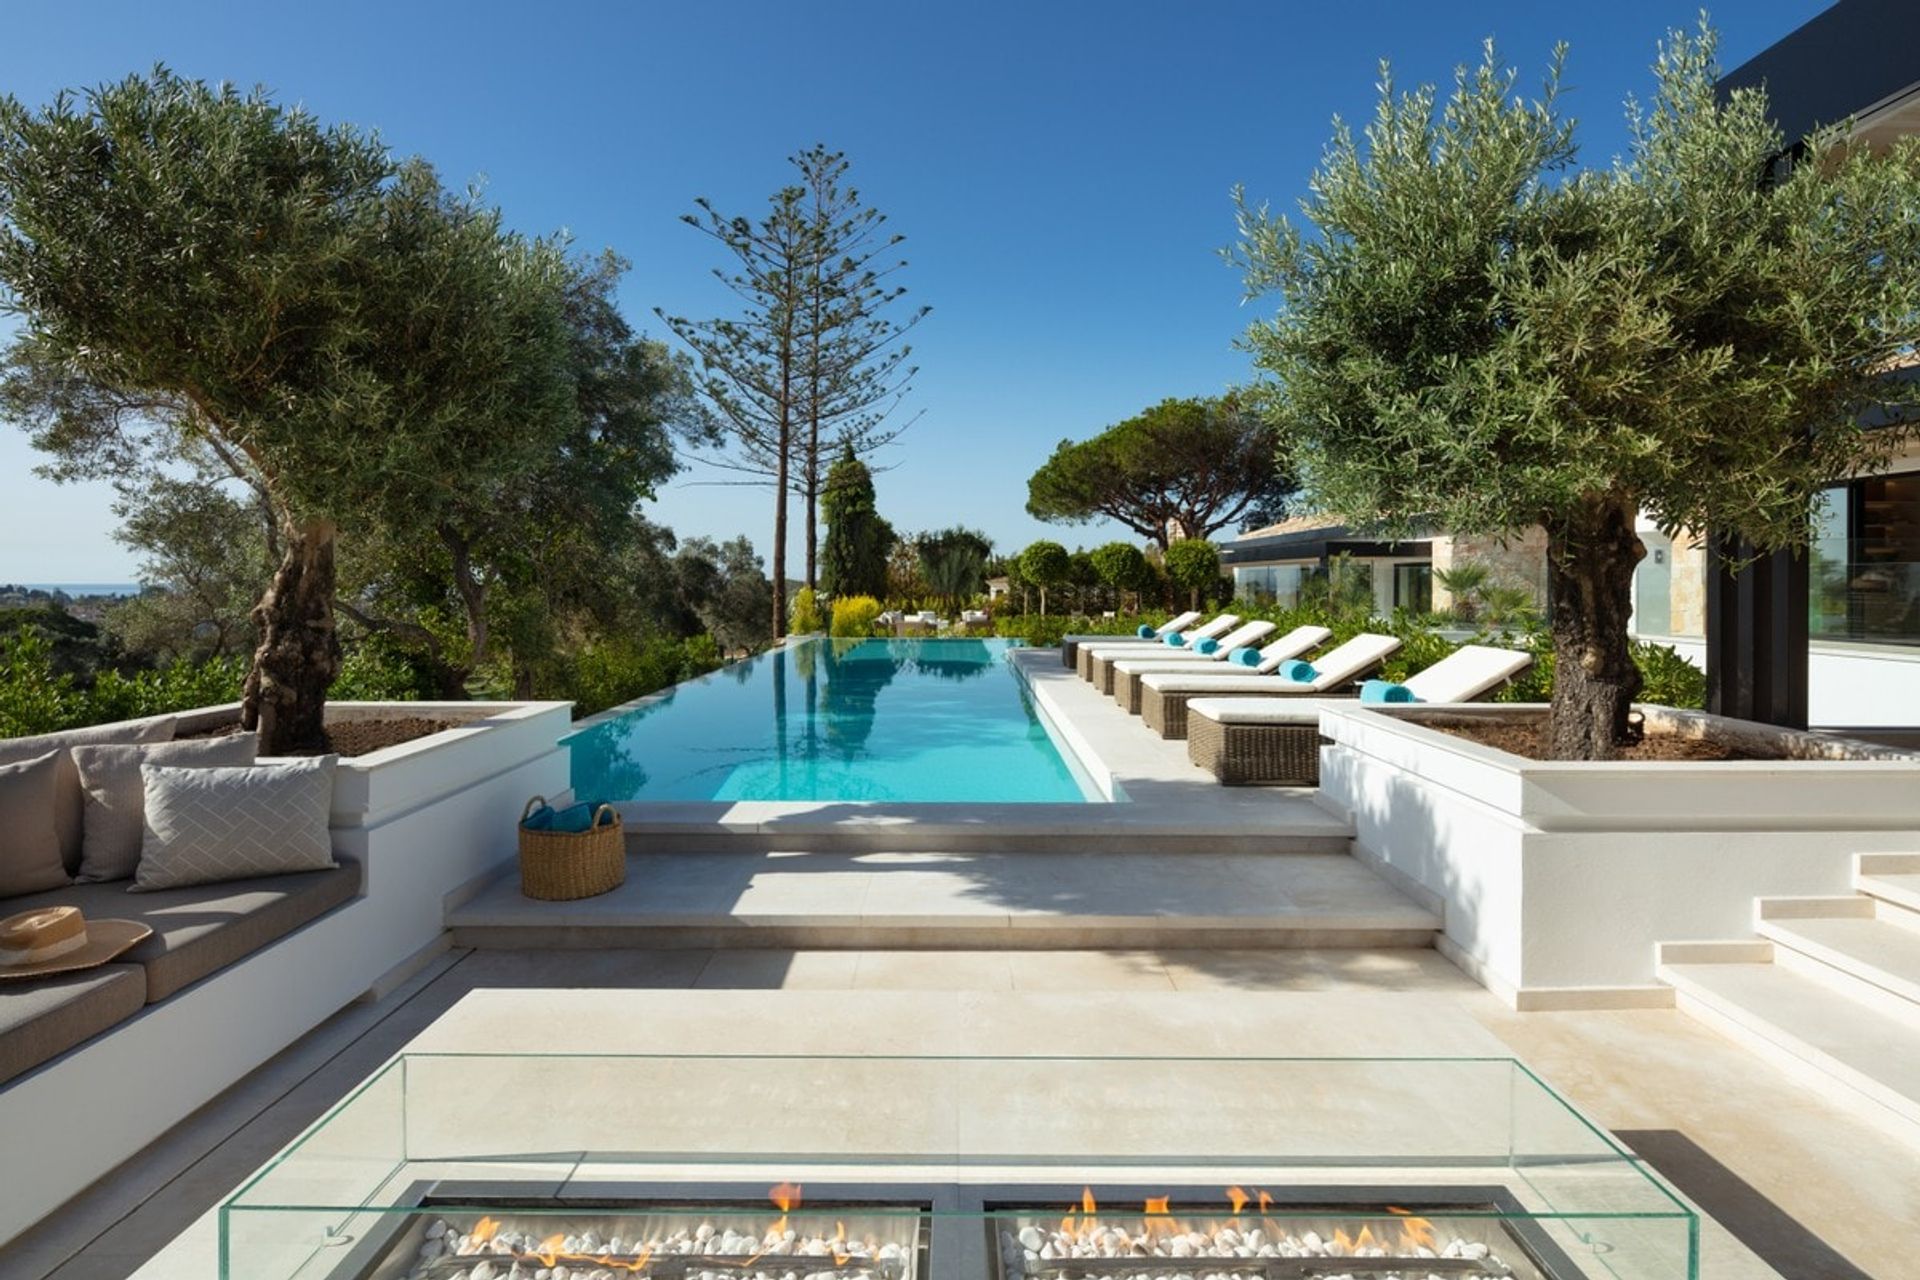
{"points": [[610, 1167]]}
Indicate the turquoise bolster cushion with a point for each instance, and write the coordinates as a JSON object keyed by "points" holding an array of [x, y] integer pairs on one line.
{"points": [[1206, 645], [1385, 691], [1144, 631], [1244, 657], [1299, 671], [1174, 638]]}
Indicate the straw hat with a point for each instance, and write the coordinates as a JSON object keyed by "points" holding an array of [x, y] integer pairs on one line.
{"points": [[61, 940]]}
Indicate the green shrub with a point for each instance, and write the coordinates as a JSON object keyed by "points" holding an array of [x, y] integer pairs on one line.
{"points": [[803, 615], [606, 673], [1670, 679], [374, 670], [854, 616], [35, 697]]}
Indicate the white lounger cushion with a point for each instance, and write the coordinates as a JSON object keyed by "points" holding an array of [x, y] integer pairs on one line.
{"points": [[1121, 646], [1170, 624], [1272, 711], [1238, 638], [1480, 668], [1343, 664], [1466, 673], [1291, 645]]}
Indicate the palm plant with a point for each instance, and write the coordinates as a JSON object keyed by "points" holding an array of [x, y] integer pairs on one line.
{"points": [[1464, 582]]}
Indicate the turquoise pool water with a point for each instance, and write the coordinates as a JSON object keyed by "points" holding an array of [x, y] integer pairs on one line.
{"points": [[885, 720]]}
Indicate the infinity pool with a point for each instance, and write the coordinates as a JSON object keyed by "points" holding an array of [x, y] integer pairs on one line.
{"points": [[886, 720]]}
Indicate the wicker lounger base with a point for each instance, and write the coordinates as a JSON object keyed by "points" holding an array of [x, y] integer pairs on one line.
{"points": [[1241, 755], [1165, 711], [1100, 671]]}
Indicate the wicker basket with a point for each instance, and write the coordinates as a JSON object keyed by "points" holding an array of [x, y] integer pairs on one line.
{"points": [[559, 865]]}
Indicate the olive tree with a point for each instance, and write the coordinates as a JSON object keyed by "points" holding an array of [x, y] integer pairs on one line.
{"points": [[342, 330], [1471, 329]]}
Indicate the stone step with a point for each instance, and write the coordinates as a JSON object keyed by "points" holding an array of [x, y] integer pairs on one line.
{"points": [[1891, 877], [961, 901], [1869, 958], [1844, 1048], [1281, 824]]}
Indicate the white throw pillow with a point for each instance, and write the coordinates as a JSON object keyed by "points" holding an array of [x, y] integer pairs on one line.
{"points": [[205, 825]]}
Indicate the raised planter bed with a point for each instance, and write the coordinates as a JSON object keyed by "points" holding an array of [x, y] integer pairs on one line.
{"points": [[1556, 878]]}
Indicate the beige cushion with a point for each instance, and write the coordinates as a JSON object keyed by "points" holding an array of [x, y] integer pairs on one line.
{"points": [[207, 825], [43, 1018], [69, 802], [29, 841], [110, 779], [202, 929]]}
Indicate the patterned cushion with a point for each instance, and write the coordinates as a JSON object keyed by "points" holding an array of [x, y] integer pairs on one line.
{"points": [[110, 777], [29, 841], [70, 802], [204, 825]]}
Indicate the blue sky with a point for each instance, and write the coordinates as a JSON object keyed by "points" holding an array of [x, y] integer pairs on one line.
{"points": [[1061, 171]]}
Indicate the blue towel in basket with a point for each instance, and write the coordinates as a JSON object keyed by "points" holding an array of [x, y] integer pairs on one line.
{"points": [[572, 820]]}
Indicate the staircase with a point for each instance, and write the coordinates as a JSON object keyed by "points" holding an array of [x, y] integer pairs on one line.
{"points": [[1829, 990]]}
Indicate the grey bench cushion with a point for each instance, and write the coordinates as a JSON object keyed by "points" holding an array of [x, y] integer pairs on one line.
{"points": [[40, 1019], [201, 929]]}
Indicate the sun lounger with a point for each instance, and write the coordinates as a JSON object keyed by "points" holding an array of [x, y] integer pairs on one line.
{"points": [[1093, 659], [1248, 740], [1070, 645], [1128, 673], [1164, 694]]}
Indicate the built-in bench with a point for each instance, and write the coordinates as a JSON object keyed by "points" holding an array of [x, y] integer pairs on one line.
{"points": [[95, 1065], [197, 931]]}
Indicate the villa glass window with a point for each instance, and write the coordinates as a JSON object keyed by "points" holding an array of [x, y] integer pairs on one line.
{"points": [[1865, 561], [1413, 587]]}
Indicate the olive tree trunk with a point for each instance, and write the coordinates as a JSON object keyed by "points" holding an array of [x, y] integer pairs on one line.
{"points": [[1591, 557], [285, 699]]}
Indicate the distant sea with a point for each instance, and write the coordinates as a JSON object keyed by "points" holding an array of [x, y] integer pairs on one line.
{"points": [[87, 588]]}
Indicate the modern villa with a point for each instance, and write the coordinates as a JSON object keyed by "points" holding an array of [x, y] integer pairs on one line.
{"points": [[1236, 944]]}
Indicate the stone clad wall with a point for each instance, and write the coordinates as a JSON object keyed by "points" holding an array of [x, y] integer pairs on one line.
{"points": [[1518, 560]]}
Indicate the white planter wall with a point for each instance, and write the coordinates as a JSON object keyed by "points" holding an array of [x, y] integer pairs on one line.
{"points": [[1556, 879], [424, 819]]}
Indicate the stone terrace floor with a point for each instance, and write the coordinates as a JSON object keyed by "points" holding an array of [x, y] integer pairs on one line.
{"points": [[1772, 1162]]}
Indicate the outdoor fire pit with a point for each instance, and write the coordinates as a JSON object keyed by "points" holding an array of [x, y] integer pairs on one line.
{"points": [[592, 1167]]}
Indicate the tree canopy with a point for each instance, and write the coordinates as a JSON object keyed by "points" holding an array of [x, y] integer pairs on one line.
{"points": [[1045, 564], [1472, 330], [954, 563], [1193, 563], [1183, 468], [330, 321]]}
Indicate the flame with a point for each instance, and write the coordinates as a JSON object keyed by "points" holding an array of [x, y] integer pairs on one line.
{"points": [[1087, 1204], [785, 1196], [549, 1250], [1365, 1239], [1266, 1202], [484, 1230], [1157, 1205], [1341, 1241], [1236, 1197], [1416, 1233]]}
